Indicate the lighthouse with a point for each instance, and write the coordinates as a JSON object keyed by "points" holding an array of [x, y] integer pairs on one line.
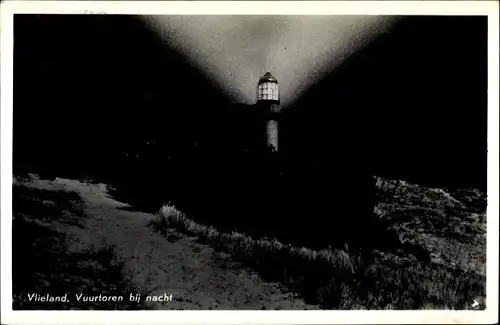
{"points": [[268, 102]]}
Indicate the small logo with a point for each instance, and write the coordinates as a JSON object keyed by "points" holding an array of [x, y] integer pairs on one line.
{"points": [[478, 304]]}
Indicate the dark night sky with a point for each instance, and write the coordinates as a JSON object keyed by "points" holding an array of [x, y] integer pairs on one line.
{"points": [[415, 99], [412, 98]]}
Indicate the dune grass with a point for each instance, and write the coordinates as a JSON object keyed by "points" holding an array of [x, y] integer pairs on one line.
{"points": [[449, 223], [341, 279], [42, 263]]}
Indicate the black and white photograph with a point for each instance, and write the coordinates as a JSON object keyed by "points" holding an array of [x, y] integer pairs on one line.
{"points": [[250, 162]]}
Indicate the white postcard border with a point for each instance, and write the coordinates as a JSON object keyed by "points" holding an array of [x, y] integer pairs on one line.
{"points": [[490, 8]]}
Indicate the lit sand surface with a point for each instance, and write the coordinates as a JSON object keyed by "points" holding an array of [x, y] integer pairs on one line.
{"points": [[195, 275]]}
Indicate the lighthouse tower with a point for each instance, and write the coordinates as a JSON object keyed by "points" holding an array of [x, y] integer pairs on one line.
{"points": [[268, 101]]}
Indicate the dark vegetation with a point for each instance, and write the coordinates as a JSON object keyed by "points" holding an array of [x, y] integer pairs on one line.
{"points": [[42, 262], [451, 227], [351, 279], [107, 98]]}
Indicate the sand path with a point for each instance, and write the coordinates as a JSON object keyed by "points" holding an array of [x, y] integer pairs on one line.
{"points": [[195, 275]]}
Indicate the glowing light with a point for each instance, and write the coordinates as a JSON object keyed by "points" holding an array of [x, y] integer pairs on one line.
{"points": [[234, 51]]}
